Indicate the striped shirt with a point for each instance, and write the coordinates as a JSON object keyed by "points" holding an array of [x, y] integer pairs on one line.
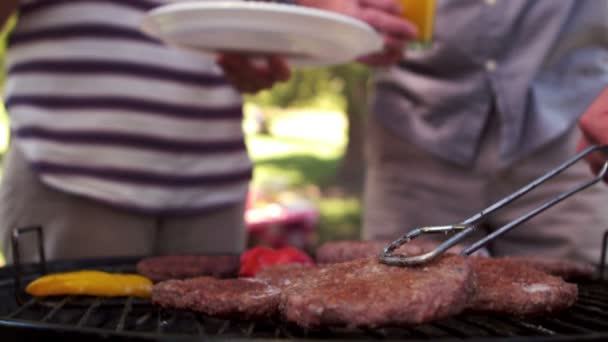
{"points": [[102, 111]]}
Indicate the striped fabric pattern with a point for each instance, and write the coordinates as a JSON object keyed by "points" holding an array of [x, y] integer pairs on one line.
{"points": [[102, 111]]}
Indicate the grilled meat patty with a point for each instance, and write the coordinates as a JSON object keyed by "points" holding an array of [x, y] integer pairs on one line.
{"points": [[285, 275], [569, 270], [188, 266], [348, 250], [366, 293], [225, 298], [512, 287]]}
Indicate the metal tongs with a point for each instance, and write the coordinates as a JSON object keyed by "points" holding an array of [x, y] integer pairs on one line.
{"points": [[468, 226]]}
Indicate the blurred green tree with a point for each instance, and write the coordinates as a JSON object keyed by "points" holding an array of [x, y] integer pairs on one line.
{"points": [[3, 35], [357, 89], [345, 88], [311, 87]]}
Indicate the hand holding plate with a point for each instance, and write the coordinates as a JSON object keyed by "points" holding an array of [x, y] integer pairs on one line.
{"points": [[249, 74], [384, 16]]}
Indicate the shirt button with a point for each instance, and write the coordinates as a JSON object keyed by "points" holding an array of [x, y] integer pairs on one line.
{"points": [[490, 65], [490, 2]]}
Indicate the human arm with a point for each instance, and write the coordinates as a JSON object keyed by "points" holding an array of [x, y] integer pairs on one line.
{"points": [[250, 76], [7, 8], [594, 126], [382, 15]]}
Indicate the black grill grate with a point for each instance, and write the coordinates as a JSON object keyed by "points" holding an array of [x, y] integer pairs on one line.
{"points": [[133, 318], [87, 318]]}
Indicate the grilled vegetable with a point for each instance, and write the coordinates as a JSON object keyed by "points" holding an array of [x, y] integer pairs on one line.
{"points": [[91, 283], [255, 259]]}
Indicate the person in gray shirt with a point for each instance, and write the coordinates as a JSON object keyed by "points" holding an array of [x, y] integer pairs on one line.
{"points": [[491, 105]]}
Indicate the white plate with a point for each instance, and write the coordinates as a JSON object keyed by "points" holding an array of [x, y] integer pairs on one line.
{"points": [[305, 36]]}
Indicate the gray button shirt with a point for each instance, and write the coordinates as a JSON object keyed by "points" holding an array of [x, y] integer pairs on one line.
{"points": [[536, 63]]}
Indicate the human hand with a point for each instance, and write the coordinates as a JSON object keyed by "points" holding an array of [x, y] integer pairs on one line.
{"points": [[249, 75], [594, 125], [384, 16]]}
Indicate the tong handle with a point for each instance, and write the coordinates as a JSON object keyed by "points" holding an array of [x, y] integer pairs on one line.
{"points": [[388, 258], [17, 265], [602, 264], [469, 225], [507, 227]]}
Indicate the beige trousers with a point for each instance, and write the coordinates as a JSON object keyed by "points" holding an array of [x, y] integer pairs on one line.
{"points": [[406, 187], [76, 227]]}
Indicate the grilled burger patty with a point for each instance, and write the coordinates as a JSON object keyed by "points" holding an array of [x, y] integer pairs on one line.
{"points": [[512, 287], [224, 298], [348, 250], [569, 270], [283, 276], [366, 293], [188, 266]]}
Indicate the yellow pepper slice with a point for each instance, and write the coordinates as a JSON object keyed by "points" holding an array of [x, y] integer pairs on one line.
{"points": [[91, 283]]}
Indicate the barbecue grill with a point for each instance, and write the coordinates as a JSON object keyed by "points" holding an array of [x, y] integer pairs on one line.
{"points": [[91, 319]]}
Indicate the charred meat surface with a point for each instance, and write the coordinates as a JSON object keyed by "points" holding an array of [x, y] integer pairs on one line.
{"points": [[283, 276], [224, 298], [188, 266], [512, 287], [567, 269], [366, 293], [348, 250]]}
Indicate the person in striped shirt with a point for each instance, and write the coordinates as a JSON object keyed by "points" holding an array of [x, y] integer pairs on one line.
{"points": [[123, 146]]}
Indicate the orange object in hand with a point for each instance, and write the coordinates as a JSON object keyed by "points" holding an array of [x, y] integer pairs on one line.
{"points": [[91, 283], [422, 14]]}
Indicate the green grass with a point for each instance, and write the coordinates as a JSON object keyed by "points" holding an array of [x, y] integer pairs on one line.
{"points": [[4, 129], [340, 219], [303, 148], [302, 152], [4, 137]]}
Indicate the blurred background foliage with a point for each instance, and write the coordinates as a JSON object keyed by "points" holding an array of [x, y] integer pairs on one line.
{"points": [[3, 117], [306, 136], [4, 127], [313, 88]]}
